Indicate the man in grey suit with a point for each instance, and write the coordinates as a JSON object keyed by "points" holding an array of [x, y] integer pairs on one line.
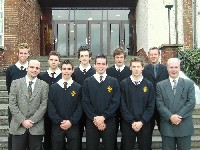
{"points": [[175, 100], [28, 102]]}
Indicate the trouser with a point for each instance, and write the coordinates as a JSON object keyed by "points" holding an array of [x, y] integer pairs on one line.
{"points": [[58, 137], [108, 136], [129, 137], [19, 142], [47, 136], [176, 143], [82, 126]]}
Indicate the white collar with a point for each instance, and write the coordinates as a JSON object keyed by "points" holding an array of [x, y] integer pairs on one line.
{"points": [[82, 68], [69, 82], [27, 81], [97, 76], [121, 68], [171, 80], [136, 81], [24, 65], [57, 72]]}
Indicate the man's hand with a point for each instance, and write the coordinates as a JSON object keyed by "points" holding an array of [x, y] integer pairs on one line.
{"points": [[65, 124], [27, 123], [137, 126], [102, 127], [175, 119], [98, 120]]}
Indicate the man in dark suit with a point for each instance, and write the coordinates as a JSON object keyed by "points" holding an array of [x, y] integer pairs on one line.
{"points": [[28, 102], [175, 100], [16, 71], [155, 72]]}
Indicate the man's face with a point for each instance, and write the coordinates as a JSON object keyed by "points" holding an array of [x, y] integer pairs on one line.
{"points": [[84, 57], [100, 65], [154, 56], [53, 61], [66, 71], [33, 69], [173, 69], [136, 68], [119, 60], [23, 55]]}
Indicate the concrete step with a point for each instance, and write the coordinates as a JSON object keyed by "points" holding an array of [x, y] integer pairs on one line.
{"points": [[4, 100], [2, 82], [4, 93], [3, 87], [156, 145]]}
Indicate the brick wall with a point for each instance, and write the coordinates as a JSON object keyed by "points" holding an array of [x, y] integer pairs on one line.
{"points": [[187, 23], [22, 24]]}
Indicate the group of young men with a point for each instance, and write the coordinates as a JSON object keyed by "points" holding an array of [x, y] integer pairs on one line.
{"points": [[61, 103]]}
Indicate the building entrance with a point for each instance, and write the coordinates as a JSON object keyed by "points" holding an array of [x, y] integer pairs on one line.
{"points": [[100, 30]]}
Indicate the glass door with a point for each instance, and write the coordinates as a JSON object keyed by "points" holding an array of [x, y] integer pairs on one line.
{"points": [[118, 35], [60, 37]]}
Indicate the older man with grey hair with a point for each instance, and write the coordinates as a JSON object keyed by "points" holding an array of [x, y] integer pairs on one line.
{"points": [[28, 102], [175, 100]]}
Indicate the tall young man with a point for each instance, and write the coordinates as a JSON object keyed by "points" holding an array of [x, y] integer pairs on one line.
{"points": [[51, 76], [14, 72], [120, 72], [100, 99], [137, 108], [64, 109], [155, 72], [83, 71], [28, 102], [175, 100]]}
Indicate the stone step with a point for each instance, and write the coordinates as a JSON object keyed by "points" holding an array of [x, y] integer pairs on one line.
{"points": [[4, 100], [3, 87], [4, 93], [2, 82], [156, 145]]}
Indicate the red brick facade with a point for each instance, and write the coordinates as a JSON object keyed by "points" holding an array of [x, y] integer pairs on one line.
{"points": [[187, 23], [22, 24]]}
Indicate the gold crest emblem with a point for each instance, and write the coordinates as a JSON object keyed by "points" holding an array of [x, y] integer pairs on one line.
{"points": [[145, 89], [73, 93], [109, 89]]}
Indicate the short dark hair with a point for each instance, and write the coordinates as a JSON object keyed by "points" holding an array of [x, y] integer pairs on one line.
{"points": [[84, 48], [100, 56], [54, 53], [154, 48], [118, 51], [67, 62], [137, 59]]}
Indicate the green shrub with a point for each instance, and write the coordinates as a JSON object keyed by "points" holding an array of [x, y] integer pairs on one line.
{"points": [[191, 63]]}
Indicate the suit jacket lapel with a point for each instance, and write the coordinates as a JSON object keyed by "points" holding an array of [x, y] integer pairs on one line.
{"points": [[179, 90], [150, 70], [169, 91], [160, 70], [25, 88]]}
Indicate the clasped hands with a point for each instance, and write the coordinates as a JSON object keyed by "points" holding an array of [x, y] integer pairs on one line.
{"points": [[137, 125], [175, 119], [65, 124], [99, 122], [27, 123]]}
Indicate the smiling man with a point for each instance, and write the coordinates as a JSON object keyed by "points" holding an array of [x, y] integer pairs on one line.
{"points": [[16, 71], [155, 72], [28, 102], [100, 99], [175, 100], [64, 109]]}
